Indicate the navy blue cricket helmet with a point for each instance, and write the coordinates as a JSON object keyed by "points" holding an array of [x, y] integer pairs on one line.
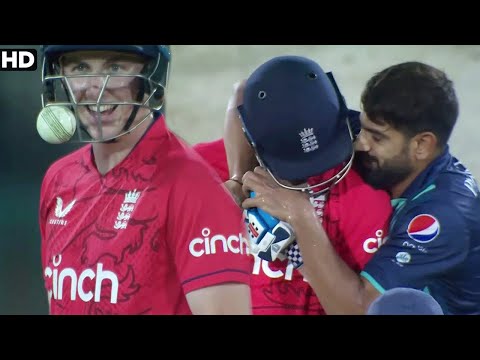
{"points": [[297, 120]]}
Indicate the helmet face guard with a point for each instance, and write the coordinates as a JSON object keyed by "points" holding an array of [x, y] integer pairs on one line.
{"points": [[151, 82]]}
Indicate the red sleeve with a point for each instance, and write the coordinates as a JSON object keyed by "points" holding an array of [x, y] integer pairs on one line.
{"points": [[42, 216], [206, 234], [364, 217], [214, 154]]}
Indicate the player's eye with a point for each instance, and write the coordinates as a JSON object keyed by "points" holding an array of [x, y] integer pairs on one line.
{"points": [[80, 67], [376, 138], [114, 68]]}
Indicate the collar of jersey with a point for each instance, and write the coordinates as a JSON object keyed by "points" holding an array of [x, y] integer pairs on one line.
{"points": [[426, 178], [154, 133]]}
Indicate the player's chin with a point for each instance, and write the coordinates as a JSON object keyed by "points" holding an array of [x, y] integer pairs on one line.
{"points": [[105, 132]]}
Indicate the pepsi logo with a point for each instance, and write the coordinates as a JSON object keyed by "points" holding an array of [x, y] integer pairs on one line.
{"points": [[423, 228]]}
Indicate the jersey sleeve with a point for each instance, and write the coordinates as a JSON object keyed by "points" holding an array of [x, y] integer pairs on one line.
{"points": [[427, 240], [206, 234], [364, 216], [215, 155], [42, 216]]}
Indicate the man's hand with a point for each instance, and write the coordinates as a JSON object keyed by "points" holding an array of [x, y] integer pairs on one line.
{"points": [[268, 237], [286, 205], [235, 189], [240, 155]]}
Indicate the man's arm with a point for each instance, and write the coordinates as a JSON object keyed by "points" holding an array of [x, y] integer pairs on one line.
{"points": [[427, 240], [340, 289], [240, 155], [222, 299], [207, 243]]}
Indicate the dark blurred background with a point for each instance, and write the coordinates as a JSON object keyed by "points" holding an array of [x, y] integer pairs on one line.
{"points": [[24, 159], [200, 85]]}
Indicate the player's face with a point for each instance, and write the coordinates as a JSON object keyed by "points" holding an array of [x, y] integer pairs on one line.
{"points": [[383, 155], [107, 120]]}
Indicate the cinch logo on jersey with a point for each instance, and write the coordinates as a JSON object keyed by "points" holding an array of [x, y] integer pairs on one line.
{"points": [[77, 282], [371, 245], [61, 212], [272, 274], [423, 228], [210, 244], [18, 59]]}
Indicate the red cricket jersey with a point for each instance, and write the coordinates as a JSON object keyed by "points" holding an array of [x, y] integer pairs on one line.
{"points": [[355, 217], [136, 240]]}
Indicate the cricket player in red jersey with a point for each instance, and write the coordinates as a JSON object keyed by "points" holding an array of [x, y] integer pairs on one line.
{"points": [[134, 222], [286, 96]]}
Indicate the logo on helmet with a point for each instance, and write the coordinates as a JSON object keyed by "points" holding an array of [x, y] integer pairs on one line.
{"points": [[308, 140]]}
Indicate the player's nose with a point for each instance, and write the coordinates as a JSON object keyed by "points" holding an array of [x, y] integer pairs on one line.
{"points": [[361, 143], [94, 86]]}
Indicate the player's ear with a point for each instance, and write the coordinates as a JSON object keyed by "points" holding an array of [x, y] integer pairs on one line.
{"points": [[424, 145]]}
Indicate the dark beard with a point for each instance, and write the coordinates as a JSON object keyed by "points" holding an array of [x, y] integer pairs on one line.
{"points": [[386, 177]]}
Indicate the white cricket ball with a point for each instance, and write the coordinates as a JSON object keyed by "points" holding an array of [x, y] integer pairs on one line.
{"points": [[56, 124]]}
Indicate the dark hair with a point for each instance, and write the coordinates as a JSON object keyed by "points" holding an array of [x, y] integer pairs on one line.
{"points": [[412, 97]]}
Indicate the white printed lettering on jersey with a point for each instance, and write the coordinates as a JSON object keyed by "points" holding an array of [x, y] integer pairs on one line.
{"points": [[371, 245], [414, 246], [61, 212], [210, 245], [58, 277], [126, 209], [422, 249], [409, 245], [263, 265], [471, 185], [470, 182]]}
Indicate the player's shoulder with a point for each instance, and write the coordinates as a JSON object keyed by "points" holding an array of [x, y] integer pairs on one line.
{"points": [[443, 208], [436, 206], [214, 153], [65, 161], [193, 179], [210, 147], [453, 192], [357, 193], [187, 164], [456, 184]]}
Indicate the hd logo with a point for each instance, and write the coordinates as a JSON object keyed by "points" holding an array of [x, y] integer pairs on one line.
{"points": [[18, 59]]}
